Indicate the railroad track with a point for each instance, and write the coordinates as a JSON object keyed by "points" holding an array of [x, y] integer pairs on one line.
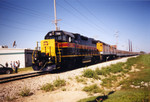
{"points": [[21, 76]]}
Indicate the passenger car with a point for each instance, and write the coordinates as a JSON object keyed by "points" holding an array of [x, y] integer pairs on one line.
{"points": [[5, 70]]}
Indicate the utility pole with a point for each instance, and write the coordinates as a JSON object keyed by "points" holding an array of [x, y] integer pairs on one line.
{"points": [[56, 20], [55, 15], [129, 45], [116, 35]]}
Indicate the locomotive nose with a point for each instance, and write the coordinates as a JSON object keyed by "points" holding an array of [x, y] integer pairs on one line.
{"points": [[48, 47]]}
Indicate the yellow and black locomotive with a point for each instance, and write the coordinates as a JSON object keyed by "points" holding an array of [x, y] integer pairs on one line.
{"points": [[62, 49]]}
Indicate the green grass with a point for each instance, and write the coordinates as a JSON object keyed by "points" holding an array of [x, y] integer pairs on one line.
{"points": [[81, 79], [122, 96], [129, 96], [114, 68], [89, 73], [25, 69], [107, 82], [90, 99], [137, 79], [59, 82], [92, 89], [47, 87], [55, 85], [127, 93], [144, 60]]}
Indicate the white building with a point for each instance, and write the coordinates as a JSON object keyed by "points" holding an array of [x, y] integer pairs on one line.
{"points": [[14, 54]]}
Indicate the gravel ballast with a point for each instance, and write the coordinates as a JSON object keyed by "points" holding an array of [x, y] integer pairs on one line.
{"points": [[12, 89]]}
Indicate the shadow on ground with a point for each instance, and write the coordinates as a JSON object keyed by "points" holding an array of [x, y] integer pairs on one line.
{"points": [[101, 98], [61, 70]]}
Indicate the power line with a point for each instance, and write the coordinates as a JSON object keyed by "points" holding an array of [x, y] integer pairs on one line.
{"points": [[17, 22], [71, 14], [35, 12], [91, 13], [8, 6], [19, 28], [83, 16]]}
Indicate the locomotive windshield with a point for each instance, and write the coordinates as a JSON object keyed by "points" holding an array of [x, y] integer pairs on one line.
{"points": [[59, 36]]}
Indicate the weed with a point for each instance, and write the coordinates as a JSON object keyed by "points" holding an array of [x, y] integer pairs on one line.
{"points": [[47, 87], [59, 82], [70, 78], [63, 89], [99, 72], [90, 74], [80, 79], [107, 82], [25, 92], [92, 89], [115, 68], [10, 98], [104, 71]]}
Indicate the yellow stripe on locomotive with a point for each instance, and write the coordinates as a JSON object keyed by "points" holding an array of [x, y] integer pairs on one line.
{"points": [[99, 46], [48, 47]]}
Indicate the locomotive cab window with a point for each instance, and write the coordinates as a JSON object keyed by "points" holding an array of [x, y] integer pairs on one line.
{"points": [[64, 38], [70, 39], [58, 36]]}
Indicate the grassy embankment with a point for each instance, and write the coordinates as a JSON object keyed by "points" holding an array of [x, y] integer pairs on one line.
{"points": [[133, 78], [25, 69]]}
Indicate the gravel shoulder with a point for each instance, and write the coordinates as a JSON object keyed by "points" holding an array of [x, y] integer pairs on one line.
{"points": [[71, 94]]}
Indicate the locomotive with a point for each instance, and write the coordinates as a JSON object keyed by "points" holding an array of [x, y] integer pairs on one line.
{"points": [[61, 49]]}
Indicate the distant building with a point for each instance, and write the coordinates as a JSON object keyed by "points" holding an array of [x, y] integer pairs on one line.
{"points": [[14, 54]]}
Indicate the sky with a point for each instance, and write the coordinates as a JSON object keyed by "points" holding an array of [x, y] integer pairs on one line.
{"points": [[111, 21]]}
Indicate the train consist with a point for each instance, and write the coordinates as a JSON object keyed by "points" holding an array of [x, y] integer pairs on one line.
{"points": [[61, 49]]}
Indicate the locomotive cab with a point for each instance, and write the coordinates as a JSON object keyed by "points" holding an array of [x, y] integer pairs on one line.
{"points": [[60, 36], [49, 55]]}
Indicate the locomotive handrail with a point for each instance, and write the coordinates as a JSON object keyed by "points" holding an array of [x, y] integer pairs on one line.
{"points": [[59, 53], [32, 56]]}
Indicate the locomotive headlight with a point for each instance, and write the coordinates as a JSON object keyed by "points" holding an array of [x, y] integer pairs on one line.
{"points": [[35, 58], [49, 58]]}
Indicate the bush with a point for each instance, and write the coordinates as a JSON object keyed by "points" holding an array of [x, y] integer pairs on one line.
{"points": [[92, 89], [98, 71], [25, 92], [47, 87], [80, 79], [115, 68], [59, 82], [90, 74]]}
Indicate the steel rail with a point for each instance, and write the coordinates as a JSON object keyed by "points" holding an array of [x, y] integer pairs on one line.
{"points": [[20, 76]]}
